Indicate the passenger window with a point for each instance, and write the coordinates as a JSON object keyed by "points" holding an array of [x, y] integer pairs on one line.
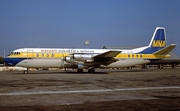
{"points": [[128, 56], [137, 55], [47, 55], [42, 55], [52, 55], [37, 55]]}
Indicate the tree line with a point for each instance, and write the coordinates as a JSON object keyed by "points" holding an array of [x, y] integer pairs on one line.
{"points": [[1, 60]]}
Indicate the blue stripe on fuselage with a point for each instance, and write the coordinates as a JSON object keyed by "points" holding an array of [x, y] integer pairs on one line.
{"points": [[13, 61]]}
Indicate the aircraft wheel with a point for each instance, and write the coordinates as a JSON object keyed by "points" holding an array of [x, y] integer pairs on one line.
{"points": [[79, 70], [25, 72], [92, 70]]}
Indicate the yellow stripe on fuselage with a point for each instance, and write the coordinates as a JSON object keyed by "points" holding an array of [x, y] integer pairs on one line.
{"points": [[62, 55], [147, 56]]}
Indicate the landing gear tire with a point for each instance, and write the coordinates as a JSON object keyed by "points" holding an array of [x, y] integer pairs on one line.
{"points": [[92, 70], [79, 70], [26, 71]]}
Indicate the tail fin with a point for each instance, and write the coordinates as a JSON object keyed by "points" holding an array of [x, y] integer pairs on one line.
{"points": [[157, 42]]}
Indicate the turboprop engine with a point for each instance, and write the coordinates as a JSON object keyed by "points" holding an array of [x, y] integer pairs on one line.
{"points": [[83, 57], [79, 57]]}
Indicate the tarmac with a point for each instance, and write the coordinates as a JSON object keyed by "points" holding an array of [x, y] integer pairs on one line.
{"points": [[69, 88]]}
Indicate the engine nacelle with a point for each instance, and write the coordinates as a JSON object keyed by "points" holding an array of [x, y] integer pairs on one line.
{"points": [[81, 66], [92, 60], [79, 57], [83, 57], [68, 59]]}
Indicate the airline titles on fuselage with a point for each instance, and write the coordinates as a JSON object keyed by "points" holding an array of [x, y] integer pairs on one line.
{"points": [[69, 51]]}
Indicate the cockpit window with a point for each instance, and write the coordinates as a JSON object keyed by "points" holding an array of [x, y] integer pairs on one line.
{"points": [[9, 54], [14, 53]]}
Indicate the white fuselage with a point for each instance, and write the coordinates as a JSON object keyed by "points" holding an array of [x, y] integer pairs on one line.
{"points": [[92, 58], [54, 58]]}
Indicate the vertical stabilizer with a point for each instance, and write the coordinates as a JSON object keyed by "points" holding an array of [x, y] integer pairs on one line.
{"points": [[157, 42]]}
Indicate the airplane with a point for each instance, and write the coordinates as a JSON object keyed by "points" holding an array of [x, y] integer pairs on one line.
{"points": [[92, 58]]}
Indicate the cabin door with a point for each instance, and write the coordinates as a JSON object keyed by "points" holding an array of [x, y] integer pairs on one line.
{"points": [[30, 54]]}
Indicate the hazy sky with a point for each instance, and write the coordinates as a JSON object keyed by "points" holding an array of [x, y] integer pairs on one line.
{"points": [[68, 23]]}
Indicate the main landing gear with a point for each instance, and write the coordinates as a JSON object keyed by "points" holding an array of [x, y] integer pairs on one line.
{"points": [[79, 70], [91, 70]]}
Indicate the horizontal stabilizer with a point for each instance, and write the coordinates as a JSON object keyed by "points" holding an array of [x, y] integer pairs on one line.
{"points": [[165, 50]]}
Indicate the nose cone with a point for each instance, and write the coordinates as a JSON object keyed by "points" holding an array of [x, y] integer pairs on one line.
{"points": [[10, 61]]}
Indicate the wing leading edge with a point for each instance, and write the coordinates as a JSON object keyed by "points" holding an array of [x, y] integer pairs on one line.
{"points": [[106, 58], [108, 54]]}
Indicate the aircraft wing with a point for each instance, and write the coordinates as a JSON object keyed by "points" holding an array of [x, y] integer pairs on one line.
{"points": [[107, 54], [107, 57]]}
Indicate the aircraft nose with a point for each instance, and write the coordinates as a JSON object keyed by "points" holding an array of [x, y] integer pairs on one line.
{"points": [[9, 61], [13, 61]]}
